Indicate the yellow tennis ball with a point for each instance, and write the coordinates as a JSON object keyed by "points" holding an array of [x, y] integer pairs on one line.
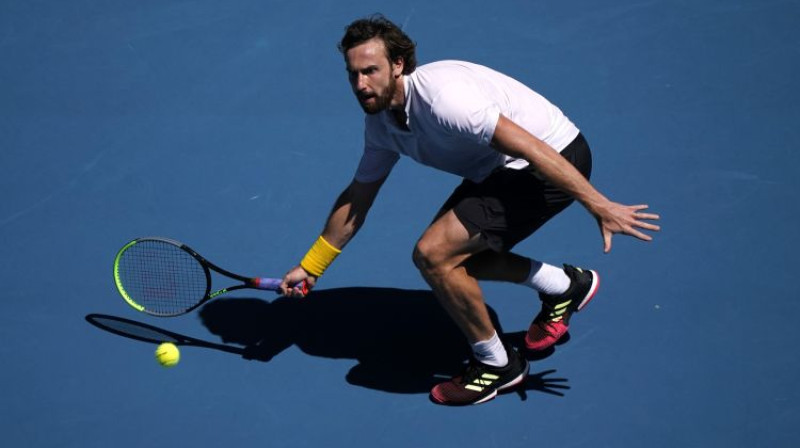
{"points": [[168, 354]]}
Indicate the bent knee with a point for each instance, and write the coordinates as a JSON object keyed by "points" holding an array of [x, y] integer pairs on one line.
{"points": [[425, 256]]}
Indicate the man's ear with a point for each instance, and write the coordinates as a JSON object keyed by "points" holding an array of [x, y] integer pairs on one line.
{"points": [[397, 67]]}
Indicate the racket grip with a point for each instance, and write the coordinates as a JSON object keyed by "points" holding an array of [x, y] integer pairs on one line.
{"points": [[273, 284]]}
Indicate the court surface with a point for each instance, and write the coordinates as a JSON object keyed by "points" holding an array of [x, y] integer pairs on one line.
{"points": [[230, 126]]}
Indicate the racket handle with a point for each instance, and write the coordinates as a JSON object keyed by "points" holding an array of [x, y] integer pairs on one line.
{"points": [[273, 284]]}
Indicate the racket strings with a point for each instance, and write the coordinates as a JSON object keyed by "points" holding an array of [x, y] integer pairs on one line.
{"points": [[162, 277]]}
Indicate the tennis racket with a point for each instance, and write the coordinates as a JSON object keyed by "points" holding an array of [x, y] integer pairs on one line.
{"points": [[163, 277]]}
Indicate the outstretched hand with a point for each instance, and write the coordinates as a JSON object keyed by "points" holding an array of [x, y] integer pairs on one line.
{"points": [[625, 219]]}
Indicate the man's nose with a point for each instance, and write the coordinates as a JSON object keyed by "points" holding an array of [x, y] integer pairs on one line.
{"points": [[360, 82]]}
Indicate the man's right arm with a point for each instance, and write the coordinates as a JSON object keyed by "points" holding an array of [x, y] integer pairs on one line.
{"points": [[350, 211], [346, 218]]}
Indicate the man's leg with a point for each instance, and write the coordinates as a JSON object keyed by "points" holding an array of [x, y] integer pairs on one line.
{"points": [[513, 268], [440, 255], [498, 266]]}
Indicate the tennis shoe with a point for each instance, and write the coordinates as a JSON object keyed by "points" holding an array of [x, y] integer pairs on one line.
{"points": [[480, 383], [552, 322]]}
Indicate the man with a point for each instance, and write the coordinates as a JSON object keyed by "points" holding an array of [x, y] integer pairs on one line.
{"points": [[522, 162]]}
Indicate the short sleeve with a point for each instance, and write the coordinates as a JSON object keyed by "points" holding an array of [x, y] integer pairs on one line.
{"points": [[464, 110], [375, 164]]}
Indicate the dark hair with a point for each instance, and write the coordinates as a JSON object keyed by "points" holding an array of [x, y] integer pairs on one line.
{"points": [[398, 44]]}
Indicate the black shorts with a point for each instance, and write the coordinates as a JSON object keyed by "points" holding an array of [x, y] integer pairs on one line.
{"points": [[509, 205]]}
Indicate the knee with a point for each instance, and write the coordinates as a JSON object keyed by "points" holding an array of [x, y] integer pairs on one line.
{"points": [[426, 257]]}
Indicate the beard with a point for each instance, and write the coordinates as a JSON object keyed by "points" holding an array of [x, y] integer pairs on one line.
{"points": [[381, 102]]}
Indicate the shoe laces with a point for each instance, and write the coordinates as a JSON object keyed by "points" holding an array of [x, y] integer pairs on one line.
{"points": [[554, 312], [473, 374]]}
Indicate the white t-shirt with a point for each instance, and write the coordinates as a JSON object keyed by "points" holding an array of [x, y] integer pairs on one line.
{"points": [[452, 109]]}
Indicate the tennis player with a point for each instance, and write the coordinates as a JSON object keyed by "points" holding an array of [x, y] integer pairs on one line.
{"points": [[522, 162]]}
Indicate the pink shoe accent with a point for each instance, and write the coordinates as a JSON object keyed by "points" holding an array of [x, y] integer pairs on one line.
{"points": [[542, 335]]}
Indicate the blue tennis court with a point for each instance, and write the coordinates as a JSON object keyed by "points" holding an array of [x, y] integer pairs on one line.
{"points": [[231, 126]]}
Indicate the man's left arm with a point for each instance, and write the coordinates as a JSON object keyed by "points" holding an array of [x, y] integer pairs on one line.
{"points": [[511, 139]]}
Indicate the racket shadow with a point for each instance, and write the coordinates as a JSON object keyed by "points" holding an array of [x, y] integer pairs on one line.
{"points": [[402, 340], [141, 331]]}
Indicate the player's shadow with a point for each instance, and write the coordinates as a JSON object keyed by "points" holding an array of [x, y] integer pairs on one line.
{"points": [[402, 339]]}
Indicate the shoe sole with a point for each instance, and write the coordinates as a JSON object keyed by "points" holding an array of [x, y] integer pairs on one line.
{"points": [[515, 382], [592, 291]]}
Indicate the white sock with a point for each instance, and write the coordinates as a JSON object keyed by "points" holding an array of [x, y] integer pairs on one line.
{"points": [[491, 352], [547, 279]]}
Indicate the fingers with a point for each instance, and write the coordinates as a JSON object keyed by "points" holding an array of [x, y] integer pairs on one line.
{"points": [[640, 235], [285, 289], [647, 226], [299, 290], [301, 287], [644, 216], [608, 234], [296, 292], [627, 220], [647, 216], [631, 229], [293, 291], [296, 283], [638, 220]]}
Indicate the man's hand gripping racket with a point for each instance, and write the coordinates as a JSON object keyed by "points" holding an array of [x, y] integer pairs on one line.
{"points": [[296, 276]]}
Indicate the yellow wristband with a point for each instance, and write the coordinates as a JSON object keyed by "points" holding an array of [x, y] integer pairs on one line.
{"points": [[319, 257]]}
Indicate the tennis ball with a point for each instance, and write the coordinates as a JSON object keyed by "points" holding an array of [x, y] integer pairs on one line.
{"points": [[168, 354]]}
